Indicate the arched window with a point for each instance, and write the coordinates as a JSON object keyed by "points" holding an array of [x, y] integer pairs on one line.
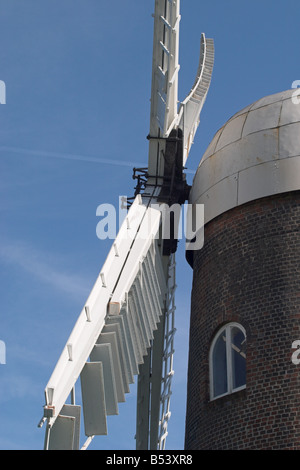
{"points": [[227, 361]]}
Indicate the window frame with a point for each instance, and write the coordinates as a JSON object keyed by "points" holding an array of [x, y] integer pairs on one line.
{"points": [[230, 389]]}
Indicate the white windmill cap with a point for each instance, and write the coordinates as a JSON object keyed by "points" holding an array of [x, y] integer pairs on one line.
{"points": [[254, 155]]}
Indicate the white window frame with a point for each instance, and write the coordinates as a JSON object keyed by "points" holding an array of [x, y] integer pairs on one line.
{"points": [[230, 389]]}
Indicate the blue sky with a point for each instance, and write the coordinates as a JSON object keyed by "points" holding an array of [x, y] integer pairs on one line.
{"points": [[78, 78]]}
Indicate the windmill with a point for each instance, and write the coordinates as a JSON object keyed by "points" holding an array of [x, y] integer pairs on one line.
{"points": [[126, 327]]}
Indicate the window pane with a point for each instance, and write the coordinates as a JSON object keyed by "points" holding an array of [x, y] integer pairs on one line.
{"points": [[219, 364], [238, 357]]}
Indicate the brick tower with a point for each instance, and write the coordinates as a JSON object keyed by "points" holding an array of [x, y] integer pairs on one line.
{"points": [[243, 388]]}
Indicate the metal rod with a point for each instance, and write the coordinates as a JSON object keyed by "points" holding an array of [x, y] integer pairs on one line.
{"points": [[87, 442]]}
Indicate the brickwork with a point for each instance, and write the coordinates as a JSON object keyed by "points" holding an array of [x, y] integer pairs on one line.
{"points": [[248, 272]]}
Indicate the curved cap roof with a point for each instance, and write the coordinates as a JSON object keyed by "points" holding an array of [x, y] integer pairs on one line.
{"points": [[255, 154]]}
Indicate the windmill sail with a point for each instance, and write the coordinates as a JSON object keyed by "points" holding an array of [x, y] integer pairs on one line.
{"points": [[126, 327], [189, 114], [165, 68], [112, 333]]}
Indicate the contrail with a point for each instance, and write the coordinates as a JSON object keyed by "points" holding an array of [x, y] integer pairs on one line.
{"points": [[82, 158], [67, 156]]}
